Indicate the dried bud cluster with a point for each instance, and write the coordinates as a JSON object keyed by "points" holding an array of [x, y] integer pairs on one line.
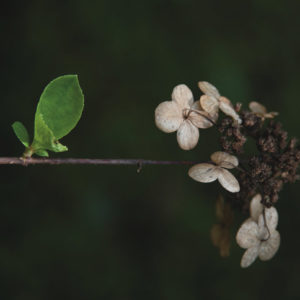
{"points": [[265, 172], [275, 163]]}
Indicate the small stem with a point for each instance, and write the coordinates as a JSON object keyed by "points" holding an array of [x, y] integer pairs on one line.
{"points": [[28, 152], [201, 114]]}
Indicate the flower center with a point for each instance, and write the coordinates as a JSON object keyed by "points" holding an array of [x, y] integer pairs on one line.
{"points": [[186, 113]]}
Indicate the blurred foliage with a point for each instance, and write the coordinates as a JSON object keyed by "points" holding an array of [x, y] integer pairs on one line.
{"points": [[83, 232]]}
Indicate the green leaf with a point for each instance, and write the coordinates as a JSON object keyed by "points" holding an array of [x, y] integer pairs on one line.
{"points": [[58, 111], [44, 138], [42, 153], [61, 105], [21, 133]]}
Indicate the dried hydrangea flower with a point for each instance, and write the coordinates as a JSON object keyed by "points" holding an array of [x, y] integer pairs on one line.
{"points": [[259, 237], [182, 115], [207, 172], [261, 111], [212, 101], [220, 232]]}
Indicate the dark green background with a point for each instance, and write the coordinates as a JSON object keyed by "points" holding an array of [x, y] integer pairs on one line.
{"points": [[82, 232]]}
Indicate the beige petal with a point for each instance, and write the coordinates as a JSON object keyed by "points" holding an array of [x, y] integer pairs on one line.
{"points": [[208, 89], [210, 105], [229, 110], [269, 248], [271, 115], [168, 116], [224, 160], [200, 119], [187, 135], [257, 108], [249, 257], [203, 173], [271, 216], [183, 96], [228, 181], [256, 208], [196, 105], [246, 236], [263, 232]]}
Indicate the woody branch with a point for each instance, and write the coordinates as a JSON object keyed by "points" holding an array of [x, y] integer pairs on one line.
{"points": [[88, 161]]}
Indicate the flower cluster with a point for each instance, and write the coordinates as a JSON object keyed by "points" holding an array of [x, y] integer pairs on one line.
{"points": [[259, 176]]}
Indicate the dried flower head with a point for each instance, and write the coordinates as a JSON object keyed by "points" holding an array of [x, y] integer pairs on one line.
{"points": [[261, 111], [258, 234], [183, 115], [220, 232], [212, 101], [207, 172], [274, 163]]}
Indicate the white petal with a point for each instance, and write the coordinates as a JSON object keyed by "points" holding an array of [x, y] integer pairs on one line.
{"points": [[268, 219], [246, 236], [208, 89], [228, 109], [228, 181], [168, 116], [263, 232], [211, 105], [187, 135], [249, 257], [271, 216], [183, 96], [257, 108], [224, 160], [256, 208], [203, 173], [269, 248]]}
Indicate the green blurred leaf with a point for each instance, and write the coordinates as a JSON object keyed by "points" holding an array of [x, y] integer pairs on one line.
{"points": [[61, 105], [21, 133]]}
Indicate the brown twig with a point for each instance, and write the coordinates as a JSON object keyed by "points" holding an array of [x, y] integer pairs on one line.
{"points": [[88, 161]]}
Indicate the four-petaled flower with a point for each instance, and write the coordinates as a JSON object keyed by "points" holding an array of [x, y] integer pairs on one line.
{"points": [[183, 115], [212, 101], [207, 172], [258, 233], [261, 111]]}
